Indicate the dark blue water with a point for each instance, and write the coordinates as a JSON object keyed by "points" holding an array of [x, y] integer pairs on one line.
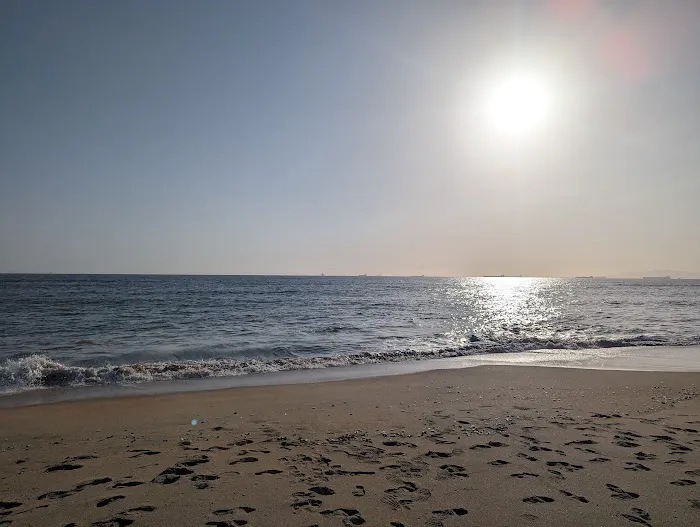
{"points": [[72, 330]]}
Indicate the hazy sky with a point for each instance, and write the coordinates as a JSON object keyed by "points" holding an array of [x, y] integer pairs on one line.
{"points": [[347, 137]]}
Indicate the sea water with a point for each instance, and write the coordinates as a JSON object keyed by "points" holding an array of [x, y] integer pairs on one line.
{"points": [[73, 330]]}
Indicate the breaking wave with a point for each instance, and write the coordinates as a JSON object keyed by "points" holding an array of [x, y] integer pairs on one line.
{"points": [[40, 371]]}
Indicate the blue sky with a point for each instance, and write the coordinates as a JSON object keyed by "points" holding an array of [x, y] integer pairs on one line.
{"points": [[343, 137]]}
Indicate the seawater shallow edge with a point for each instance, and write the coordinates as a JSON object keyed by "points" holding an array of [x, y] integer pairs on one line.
{"points": [[659, 358]]}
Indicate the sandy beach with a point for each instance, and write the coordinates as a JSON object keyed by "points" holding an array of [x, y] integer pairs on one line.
{"points": [[491, 445]]}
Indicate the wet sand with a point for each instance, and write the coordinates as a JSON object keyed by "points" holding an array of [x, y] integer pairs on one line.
{"points": [[491, 445]]}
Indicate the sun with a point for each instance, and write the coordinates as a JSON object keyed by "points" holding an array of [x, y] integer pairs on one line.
{"points": [[518, 104]]}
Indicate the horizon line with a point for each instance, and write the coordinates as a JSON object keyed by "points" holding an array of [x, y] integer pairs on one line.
{"points": [[362, 275]]}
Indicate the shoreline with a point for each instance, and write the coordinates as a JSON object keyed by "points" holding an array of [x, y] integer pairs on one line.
{"points": [[636, 358], [499, 445]]}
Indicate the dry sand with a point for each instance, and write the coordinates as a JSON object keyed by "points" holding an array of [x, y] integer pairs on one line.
{"points": [[505, 446]]}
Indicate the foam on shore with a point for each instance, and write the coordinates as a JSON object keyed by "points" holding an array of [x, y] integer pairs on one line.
{"points": [[142, 381]]}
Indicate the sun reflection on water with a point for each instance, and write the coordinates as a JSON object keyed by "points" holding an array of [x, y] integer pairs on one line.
{"points": [[492, 307]]}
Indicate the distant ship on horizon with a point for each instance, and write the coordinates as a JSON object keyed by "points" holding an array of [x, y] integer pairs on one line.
{"points": [[656, 278]]}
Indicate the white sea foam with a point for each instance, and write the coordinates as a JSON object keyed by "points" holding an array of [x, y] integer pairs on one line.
{"points": [[58, 331], [39, 371]]}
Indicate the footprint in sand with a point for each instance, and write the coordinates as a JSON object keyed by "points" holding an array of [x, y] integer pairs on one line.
{"points": [[620, 494], [77, 488], [582, 442], [693, 472], [683, 482], [241, 442], [439, 515], [525, 456], [636, 467], [398, 443], [57, 494], [194, 462], [566, 466], [301, 494], [308, 504], [140, 453], [438, 454], [679, 449], [404, 495], [341, 472], [644, 456], [662, 438], [499, 462], [124, 484], [599, 460], [538, 499], [359, 491], [405, 469], [171, 475], [627, 434], [522, 475], [65, 466], [570, 495], [107, 501], [350, 516], [114, 522], [248, 459], [322, 491], [452, 471], [459, 511], [490, 444], [626, 444], [200, 480], [269, 471], [247, 510], [226, 512], [533, 439], [642, 517]]}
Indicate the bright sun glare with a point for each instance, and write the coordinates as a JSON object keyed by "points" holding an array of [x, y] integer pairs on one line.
{"points": [[518, 104]]}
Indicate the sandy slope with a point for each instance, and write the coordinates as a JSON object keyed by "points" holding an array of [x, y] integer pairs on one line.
{"points": [[479, 446]]}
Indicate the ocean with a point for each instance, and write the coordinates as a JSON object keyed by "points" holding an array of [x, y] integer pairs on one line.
{"points": [[76, 330]]}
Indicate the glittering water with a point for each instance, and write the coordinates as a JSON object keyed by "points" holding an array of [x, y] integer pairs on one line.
{"points": [[69, 330]]}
